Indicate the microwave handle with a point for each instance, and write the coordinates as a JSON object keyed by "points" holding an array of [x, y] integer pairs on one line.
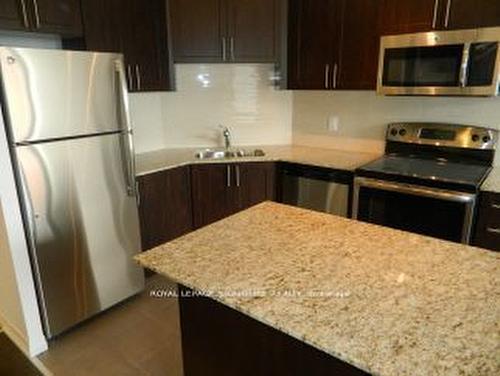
{"points": [[464, 65]]}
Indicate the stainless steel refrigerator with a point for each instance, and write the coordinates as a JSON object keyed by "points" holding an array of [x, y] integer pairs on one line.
{"points": [[67, 118]]}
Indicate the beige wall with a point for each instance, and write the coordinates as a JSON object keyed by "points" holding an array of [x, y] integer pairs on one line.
{"points": [[356, 120], [240, 96]]}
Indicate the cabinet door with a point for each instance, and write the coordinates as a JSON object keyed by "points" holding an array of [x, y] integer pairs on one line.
{"points": [[103, 24], [408, 16], [198, 30], [468, 14], [213, 193], [256, 182], [165, 206], [360, 46], [253, 30], [315, 28], [140, 31], [488, 222], [58, 16], [147, 46], [13, 15]]}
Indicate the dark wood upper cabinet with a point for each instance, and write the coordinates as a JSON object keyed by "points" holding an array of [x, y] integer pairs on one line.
{"points": [[198, 30], [333, 44], [139, 30], [149, 46], [58, 16], [253, 30], [103, 25], [209, 31], [13, 15], [165, 206], [44, 16], [359, 47], [468, 14], [314, 37], [408, 16]]}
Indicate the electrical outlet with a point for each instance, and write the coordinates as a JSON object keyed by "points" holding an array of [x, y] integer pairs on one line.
{"points": [[333, 123]]}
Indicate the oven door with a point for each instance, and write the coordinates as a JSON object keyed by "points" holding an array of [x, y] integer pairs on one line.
{"points": [[427, 211]]}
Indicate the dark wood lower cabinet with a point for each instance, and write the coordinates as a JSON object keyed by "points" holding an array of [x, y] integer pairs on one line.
{"points": [[213, 195], [222, 189], [177, 201], [165, 206], [219, 341], [257, 183], [488, 222]]}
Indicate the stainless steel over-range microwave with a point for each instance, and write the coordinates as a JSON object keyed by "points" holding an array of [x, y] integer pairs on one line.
{"points": [[463, 63]]}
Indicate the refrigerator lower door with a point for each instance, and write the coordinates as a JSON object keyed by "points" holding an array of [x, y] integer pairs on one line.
{"points": [[83, 227], [54, 94]]}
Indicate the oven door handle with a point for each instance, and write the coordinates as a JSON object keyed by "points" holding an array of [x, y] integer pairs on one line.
{"points": [[469, 199]]}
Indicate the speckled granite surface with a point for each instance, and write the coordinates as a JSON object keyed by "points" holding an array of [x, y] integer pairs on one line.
{"points": [[170, 158], [396, 303], [492, 183]]}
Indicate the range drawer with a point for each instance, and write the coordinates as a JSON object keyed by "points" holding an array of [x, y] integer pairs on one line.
{"points": [[488, 223]]}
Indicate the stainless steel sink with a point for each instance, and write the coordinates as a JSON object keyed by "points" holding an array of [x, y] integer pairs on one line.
{"points": [[228, 153]]}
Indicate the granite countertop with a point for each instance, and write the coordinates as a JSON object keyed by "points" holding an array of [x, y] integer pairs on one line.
{"points": [[147, 163], [492, 183], [386, 301]]}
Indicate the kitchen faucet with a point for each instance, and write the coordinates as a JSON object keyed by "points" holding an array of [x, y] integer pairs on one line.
{"points": [[226, 133]]}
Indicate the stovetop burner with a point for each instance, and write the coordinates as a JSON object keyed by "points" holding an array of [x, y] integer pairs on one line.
{"points": [[471, 175], [419, 153]]}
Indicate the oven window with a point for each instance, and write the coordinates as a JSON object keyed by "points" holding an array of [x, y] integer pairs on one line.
{"points": [[423, 66], [422, 215]]}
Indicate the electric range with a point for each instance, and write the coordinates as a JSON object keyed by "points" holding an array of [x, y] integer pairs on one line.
{"points": [[428, 179]]}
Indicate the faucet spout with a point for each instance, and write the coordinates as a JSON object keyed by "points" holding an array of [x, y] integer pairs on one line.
{"points": [[226, 133]]}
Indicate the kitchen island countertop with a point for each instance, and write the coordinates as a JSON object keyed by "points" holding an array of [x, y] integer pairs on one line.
{"points": [[383, 300]]}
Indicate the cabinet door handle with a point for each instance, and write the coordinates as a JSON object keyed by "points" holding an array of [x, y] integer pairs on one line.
{"points": [[493, 230], [238, 176], [37, 14], [327, 76], [447, 16], [138, 76], [435, 14], [334, 75], [228, 175], [224, 49], [231, 42], [25, 14], [129, 77]]}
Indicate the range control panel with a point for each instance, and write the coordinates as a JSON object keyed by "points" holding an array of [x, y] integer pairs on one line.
{"points": [[437, 134]]}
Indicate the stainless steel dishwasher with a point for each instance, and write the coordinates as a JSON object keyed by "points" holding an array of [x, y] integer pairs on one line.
{"points": [[316, 188]]}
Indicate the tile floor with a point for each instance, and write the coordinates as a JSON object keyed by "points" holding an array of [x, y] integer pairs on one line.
{"points": [[139, 337]]}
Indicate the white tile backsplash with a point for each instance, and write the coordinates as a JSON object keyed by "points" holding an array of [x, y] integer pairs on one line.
{"points": [[364, 115], [240, 96]]}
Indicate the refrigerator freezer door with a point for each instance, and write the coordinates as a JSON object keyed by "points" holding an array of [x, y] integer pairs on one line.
{"points": [[84, 226], [58, 94]]}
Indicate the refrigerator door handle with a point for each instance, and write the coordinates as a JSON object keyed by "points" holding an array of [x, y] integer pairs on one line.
{"points": [[127, 135]]}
